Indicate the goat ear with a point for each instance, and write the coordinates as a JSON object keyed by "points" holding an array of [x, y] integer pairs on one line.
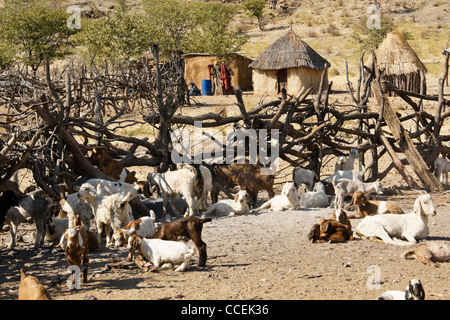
{"points": [[236, 197], [80, 240]]}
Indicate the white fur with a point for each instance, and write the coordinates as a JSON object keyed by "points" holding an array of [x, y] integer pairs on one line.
{"points": [[413, 291], [441, 169], [231, 207], [316, 198], [300, 175], [159, 252], [347, 174], [146, 230], [411, 227], [347, 163], [175, 183], [348, 187], [382, 207], [112, 211], [286, 201]]}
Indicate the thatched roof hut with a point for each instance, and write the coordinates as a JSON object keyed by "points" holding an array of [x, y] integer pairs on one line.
{"points": [[288, 62], [398, 62]]}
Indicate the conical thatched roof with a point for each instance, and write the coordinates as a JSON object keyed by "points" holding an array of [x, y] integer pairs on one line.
{"points": [[289, 51], [396, 57]]}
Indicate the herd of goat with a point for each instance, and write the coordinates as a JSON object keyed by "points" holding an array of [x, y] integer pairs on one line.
{"points": [[155, 237]]}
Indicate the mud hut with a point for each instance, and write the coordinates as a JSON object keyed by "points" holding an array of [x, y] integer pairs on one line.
{"points": [[288, 62], [398, 62], [199, 66]]}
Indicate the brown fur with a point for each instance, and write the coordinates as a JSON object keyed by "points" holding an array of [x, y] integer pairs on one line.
{"points": [[185, 228], [370, 207], [247, 176], [101, 158], [31, 289], [76, 254], [331, 230]]}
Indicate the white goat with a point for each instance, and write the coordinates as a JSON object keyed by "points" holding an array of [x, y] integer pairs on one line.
{"points": [[300, 175], [346, 174], [414, 291], [107, 187], [231, 207], [412, 226], [286, 201], [441, 169], [316, 198], [112, 211], [159, 252], [347, 163], [174, 183], [346, 187], [74, 206]]}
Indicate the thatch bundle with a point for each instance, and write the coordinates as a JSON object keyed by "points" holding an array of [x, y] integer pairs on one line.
{"points": [[289, 51], [400, 64]]}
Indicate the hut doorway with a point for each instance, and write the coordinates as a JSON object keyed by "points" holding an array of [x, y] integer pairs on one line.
{"points": [[282, 79]]}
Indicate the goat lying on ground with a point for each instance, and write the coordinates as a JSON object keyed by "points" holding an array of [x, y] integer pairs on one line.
{"points": [[31, 289], [345, 187], [430, 253], [31, 208], [55, 229], [368, 207], [187, 182], [77, 248], [8, 199], [101, 158], [288, 200], [300, 175], [411, 227], [185, 228], [347, 163], [441, 169], [316, 198], [337, 230], [143, 227], [414, 291], [159, 252], [230, 207], [157, 207]]}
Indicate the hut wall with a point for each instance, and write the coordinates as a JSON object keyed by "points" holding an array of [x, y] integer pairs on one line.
{"points": [[264, 80], [196, 69], [303, 77]]}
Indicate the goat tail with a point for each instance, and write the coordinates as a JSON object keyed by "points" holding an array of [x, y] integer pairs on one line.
{"points": [[199, 183], [204, 220], [407, 254]]}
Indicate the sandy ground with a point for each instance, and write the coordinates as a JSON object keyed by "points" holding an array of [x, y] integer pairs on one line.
{"points": [[261, 256]]}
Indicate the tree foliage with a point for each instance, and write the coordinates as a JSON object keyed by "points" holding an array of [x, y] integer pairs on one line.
{"points": [[255, 9], [34, 30]]}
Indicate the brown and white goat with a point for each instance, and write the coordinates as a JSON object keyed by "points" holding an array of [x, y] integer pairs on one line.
{"points": [[31, 289], [430, 253], [185, 228], [101, 158], [368, 207], [77, 248], [335, 230], [143, 227]]}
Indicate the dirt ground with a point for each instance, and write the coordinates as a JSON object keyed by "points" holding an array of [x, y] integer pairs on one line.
{"points": [[259, 256]]}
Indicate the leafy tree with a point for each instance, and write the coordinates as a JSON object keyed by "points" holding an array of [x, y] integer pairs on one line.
{"points": [[255, 9], [116, 37], [36, 29], [371, 38]]}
